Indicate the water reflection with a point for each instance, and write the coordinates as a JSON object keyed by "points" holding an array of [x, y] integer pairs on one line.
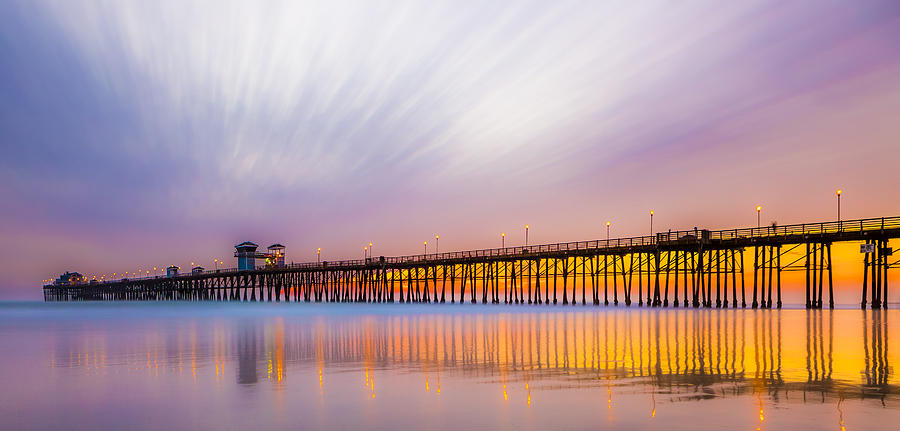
{"points": [[686, 355]]}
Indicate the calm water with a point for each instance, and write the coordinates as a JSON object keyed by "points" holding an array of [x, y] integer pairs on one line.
{"points": [[258, 366]]}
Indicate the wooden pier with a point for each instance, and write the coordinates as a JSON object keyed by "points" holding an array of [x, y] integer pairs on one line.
{"points": [[694, 268]]}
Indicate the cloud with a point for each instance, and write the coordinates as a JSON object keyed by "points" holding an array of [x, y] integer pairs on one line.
{"points": [[165, 116]]}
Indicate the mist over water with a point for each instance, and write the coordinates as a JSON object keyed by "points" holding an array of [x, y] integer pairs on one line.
{"points": [[240, 366]]}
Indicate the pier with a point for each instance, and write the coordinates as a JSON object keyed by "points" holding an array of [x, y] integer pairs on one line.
{"points": [[696, 268]]}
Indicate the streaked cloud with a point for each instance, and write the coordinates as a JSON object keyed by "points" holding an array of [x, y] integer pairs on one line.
{"points": [[316, 121]]}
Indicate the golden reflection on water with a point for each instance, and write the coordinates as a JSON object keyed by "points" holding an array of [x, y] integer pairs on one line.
{"points": [[693, 354]]}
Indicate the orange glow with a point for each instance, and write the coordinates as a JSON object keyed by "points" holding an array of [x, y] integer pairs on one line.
{"points": [[619, 345]]}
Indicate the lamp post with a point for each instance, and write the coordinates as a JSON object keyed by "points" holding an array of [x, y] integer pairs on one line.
{"points": [[426, 246], [318, 255], [216, 261], [607, 231], [651, 222], [526, 235], [437, 243], [758, 209], [503, 240], [365, 253], [838, 193], [371, 246]]}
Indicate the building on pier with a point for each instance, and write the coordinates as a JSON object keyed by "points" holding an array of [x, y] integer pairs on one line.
{"points": [[69, 278], [246, 254], [172, 271], [275, 256]]}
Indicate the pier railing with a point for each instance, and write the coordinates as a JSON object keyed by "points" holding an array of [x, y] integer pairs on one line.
{"points": [[661, 238]]}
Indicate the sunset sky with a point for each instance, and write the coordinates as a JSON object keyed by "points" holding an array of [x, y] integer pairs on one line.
{"points": [[146, 133]]}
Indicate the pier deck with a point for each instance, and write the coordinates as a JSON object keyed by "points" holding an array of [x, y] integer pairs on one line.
{"points": [[693, 268]]}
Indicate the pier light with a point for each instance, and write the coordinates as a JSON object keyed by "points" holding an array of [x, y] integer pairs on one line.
{"points": [[503, 240], [437, 243], [838, 193], [318, 255], [607, 231], [370, 249], [526, 234], [758, 209], [651, 222]]}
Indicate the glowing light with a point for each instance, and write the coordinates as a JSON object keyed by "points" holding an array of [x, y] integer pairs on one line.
{"points": [[839, 191], [758, 208]]}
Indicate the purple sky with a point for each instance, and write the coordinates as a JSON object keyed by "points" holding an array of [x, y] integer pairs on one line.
{"points": [[140, 134]]}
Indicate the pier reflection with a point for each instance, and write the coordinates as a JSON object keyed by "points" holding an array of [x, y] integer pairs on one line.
{"points": [[686, 354]]}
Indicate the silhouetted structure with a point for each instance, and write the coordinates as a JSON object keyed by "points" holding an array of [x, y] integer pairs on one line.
{"points": [[694, 268]]}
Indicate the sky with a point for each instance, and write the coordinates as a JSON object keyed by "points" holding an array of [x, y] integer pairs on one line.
{"points": [[137, 134]]}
